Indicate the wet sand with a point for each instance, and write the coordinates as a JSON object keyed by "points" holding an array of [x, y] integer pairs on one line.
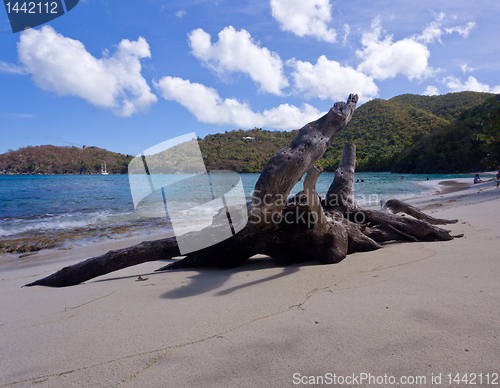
{"points": [[452, 186]]}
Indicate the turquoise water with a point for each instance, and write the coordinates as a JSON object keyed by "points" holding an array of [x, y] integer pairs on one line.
{"points": [[40, 203]]}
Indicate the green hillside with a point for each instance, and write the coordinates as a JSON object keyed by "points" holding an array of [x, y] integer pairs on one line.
{"points": [[380, 129], [449, 150], [229, 151], [447, 106], [455, 148], [49, 159]]}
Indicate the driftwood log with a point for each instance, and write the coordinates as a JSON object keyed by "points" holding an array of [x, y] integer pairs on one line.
{"points": [[295, 230]]}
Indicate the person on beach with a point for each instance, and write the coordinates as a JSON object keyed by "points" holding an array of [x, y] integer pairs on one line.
{"points": [[477, 179], [498, 177]]}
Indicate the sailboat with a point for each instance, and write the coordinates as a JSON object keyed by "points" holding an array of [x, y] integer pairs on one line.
{"points": [[103, 169]]}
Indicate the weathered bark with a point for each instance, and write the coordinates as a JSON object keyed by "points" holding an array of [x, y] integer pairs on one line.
{"points": [[378, 226], [278, 236], [289, 164], [111, 261], [396, 206], [290, 231], [314, 201], [340, 195]]}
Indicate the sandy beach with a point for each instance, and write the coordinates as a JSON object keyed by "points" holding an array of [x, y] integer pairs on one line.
{"points": [[413, 312]]}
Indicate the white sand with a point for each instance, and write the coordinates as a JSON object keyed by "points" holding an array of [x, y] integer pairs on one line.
{"points": [[409, 309]]}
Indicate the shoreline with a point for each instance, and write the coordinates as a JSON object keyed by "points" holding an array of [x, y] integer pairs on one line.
{"points": [[408, 309], [445, 186], [448, 185], [493, 172], [40, 174], [68, 249], [31, 245]]}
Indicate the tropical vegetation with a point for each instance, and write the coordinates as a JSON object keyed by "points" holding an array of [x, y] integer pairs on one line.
{"points": [[49, 159]]}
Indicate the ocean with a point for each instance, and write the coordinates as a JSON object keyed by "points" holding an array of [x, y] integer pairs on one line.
{"points": [[39, 212]]}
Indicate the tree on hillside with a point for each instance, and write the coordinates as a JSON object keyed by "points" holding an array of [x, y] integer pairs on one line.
{"points": [[489, 119]]}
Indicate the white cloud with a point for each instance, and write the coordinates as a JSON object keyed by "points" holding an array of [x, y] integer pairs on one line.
{"points": [[305, 18], [464, 31], [347, 31], [440, 16], [236, 51], [472, 84], [435, 30], [431, 91], [431, 33], [9, 68], [466, 69], [329, 80], [63, 65], [180, 14], [208, 107], [383, 59]]}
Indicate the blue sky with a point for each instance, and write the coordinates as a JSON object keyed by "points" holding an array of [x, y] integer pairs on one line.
{"points": [[126, 75]]}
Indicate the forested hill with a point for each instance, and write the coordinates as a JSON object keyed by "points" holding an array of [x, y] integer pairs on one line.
{"points": [[408, 133], [231, 151], [49, 159], [454, 148], [381, 131], [447, 106]]}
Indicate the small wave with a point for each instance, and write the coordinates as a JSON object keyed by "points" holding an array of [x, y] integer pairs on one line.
{"points": [[14, 226]]}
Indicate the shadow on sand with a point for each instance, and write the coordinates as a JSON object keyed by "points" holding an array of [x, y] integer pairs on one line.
{"points": [[210, 279]]}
